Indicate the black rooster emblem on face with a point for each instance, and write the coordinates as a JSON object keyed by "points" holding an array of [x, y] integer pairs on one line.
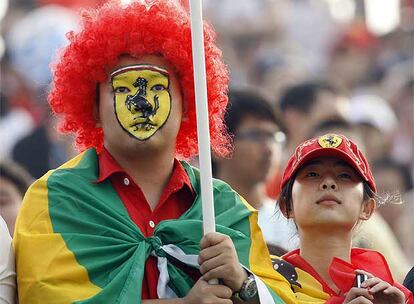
{"points": [[287, 270], [138, 103]]}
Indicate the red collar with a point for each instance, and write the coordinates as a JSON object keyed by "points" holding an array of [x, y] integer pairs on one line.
{"points": [[343, 273], [294, 258], [108, 166]]}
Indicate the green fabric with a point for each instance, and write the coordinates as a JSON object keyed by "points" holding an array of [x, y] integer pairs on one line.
{"points": [[96, 227]]}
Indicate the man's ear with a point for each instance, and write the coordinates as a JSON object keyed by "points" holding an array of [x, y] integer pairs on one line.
{"points": [[368, 208], [184, 108], [98, 123]]}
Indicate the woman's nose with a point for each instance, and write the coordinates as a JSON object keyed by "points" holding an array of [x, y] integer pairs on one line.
{"points": [[328, 183]]}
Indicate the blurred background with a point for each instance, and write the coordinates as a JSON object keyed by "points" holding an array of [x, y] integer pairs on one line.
{"points": [[342, 66]]}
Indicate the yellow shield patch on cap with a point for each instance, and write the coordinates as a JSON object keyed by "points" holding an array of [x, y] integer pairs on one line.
{"points": [[329, 141], [142, 100]]}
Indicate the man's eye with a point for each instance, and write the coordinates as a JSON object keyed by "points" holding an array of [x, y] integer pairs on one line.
{"points": [[122, 90], [158, 87]]}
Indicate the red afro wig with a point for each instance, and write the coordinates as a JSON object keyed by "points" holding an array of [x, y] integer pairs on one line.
{"points": [[141, 28]]}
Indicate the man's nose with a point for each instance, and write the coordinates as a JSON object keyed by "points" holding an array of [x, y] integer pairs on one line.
{"points": [[328, 183]]}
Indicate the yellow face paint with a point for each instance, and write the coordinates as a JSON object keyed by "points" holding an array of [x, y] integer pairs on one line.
{"points": [[142, 100]]}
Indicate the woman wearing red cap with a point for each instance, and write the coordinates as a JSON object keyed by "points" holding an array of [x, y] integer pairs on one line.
{"points": [[328, 189]]}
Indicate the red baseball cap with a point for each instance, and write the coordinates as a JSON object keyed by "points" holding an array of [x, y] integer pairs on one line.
{"points": [[329, 145]]}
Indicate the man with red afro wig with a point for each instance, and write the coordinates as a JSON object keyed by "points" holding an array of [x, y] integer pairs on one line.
{"points": [[122, 221]]}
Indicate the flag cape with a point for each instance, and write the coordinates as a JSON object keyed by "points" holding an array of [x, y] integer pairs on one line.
{"points": [[309, 287], [75, 242]]}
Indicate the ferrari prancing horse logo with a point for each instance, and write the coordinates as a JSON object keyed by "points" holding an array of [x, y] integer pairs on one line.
{"points": [[142, 100], [330, 141]]}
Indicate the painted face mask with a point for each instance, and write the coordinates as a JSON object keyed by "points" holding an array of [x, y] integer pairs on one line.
{"points": [[142, 100]]}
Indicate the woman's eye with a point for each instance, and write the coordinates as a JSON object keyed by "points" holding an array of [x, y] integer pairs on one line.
{"points": [[311, 174], [345, 176], [122, 90], [158, 87]]}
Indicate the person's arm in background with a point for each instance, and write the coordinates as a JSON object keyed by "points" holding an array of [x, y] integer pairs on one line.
{"points": [[7, 267]]}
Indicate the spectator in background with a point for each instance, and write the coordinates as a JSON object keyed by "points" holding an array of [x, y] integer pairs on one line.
{"points": [[257, 25], [409, 280], [43, 149], [394, 178], [352, 58], [7, 272], [406, 226], [14, 181], [338, 126], [403, 105], [376, 122], [256, 135], [16, 121], [273, 73], [307, 104], [39, 33]]}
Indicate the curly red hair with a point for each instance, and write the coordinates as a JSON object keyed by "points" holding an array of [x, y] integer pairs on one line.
{"points": [[154, 28]]}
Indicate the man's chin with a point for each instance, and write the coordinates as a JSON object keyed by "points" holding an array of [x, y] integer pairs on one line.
{"points": [[154, 144]]}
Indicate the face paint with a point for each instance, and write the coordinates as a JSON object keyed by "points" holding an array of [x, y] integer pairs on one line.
{"points": [[142, 100]]}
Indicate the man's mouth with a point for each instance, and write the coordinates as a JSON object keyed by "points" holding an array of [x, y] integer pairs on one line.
{"points": [[143, 124]]}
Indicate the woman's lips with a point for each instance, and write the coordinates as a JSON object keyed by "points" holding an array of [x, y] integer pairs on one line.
{"points": [[328, 200]]}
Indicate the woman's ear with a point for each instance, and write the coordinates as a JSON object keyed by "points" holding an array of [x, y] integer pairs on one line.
{"points": [[368, 208]]}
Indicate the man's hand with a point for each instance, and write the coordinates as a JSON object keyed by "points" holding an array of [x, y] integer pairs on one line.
{"points": [[218, 260], [204, 293]]}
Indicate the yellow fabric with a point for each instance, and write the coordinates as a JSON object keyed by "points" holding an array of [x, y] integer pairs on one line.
{"points": [[37, 249], [307, 289], [142, 99], [260, 263]]}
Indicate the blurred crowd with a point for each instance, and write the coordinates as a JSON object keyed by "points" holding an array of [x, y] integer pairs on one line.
{"points": [[316, 70]]}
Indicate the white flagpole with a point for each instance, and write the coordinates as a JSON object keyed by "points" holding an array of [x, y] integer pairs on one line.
{"points": [[203, 132]]}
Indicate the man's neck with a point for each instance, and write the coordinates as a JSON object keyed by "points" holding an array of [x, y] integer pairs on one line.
{"points": [[329, 245], [151, 171]]}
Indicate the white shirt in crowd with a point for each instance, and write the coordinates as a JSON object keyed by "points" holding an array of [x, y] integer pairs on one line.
{"points": [[276, 229], [7, 272]]}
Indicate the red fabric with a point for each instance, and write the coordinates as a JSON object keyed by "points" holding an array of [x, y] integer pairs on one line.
{"points": [[346, 150], [177, 197], [342, 273], [296, 260]]}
